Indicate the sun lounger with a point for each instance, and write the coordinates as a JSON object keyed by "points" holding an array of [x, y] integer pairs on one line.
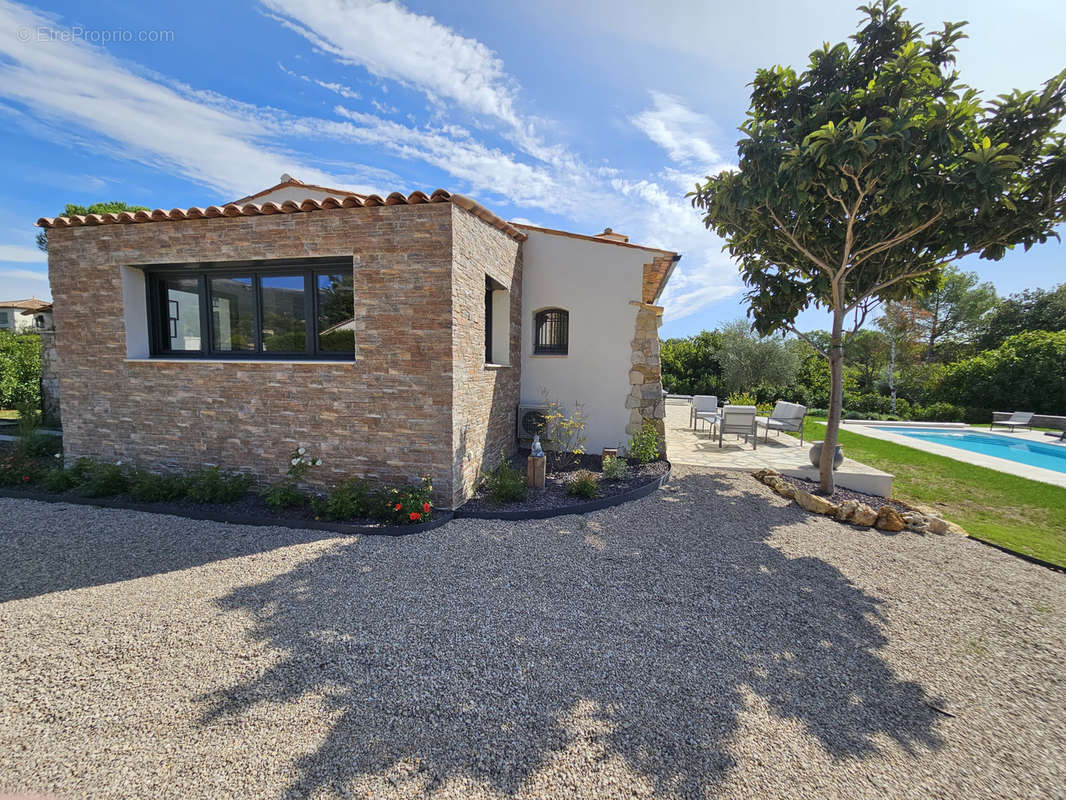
{"points": [[1019, 419]]}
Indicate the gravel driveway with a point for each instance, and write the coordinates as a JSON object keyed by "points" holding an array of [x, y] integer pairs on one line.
{"points": [[710, 640]]}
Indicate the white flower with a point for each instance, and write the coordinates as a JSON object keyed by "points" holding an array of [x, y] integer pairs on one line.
{"points": [[318, 462], [301, 450], [295, 461], [59, 455]]}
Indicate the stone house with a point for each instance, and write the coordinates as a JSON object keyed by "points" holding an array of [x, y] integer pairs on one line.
{"points": [[395, 337]]}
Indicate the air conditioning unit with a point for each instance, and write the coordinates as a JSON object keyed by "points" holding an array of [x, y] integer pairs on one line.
{"points": [[531, 421]]}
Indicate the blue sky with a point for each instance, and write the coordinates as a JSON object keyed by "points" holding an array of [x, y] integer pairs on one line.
{"points": [[569, 115]]}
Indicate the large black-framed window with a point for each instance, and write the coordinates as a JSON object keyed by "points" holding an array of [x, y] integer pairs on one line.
{"points": [[551, 332], [288, 310]]}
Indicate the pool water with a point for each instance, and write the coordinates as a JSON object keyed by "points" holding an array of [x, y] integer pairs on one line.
{"points": [[1023, 451]]}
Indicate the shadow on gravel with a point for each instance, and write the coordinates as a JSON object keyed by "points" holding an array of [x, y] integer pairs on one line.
{"points": [[480, 653], [54, 555]]}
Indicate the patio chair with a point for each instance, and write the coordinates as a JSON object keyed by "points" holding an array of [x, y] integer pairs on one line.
{"points": [[705, 404], [1019, 419], [739, 420], [785, 417]]}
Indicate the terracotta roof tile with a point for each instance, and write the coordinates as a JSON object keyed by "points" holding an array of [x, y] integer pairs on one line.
{"points": [[287, 207], [31, 304]]}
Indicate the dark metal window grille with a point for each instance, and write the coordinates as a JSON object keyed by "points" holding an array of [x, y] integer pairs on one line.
{"points": [[552, 332]]}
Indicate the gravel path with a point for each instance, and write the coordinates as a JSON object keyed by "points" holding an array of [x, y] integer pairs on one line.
{"points": [[711, 640]]}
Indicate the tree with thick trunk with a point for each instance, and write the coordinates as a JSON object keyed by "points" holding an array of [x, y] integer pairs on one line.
{"points": [[860, 179]]}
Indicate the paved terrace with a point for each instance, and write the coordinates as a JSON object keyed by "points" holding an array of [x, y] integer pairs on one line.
{"points": [[782, 452]]}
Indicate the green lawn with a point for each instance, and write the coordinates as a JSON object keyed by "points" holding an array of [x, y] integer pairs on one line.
{"points": [[1023, 515], [6, 413]]}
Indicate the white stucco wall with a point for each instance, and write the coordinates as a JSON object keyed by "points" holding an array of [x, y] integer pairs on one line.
{"points": [[595, 282]]}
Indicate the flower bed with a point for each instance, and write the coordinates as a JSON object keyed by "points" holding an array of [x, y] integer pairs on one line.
{"points": [[351, 507], [554, 498]]}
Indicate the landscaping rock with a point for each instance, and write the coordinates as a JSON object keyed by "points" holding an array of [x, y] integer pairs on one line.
{"points": [[816, 504], [782, 487], [847, 510], [888, 519], [916, 521], [864, 515], [941, 527]]}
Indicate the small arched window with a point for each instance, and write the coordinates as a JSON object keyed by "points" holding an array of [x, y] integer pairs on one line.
{"points": [[552, 332]]}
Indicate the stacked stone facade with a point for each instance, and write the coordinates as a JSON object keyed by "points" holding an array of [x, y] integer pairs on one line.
{"points": [[414, 400], [485, 398], [645, 401], [50, 380]]}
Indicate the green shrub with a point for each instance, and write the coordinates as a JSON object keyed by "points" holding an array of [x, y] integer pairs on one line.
{"points": [[284, 494], [63, 479], [18, 470], [104, 480], [563, 432], [20, 370], [583, 484], [211, 485], [1024, 373], [939, 412], [39, 445], [151, 487], [348, 500], [646, 444], [614, 469], [743, 399], [505, 483], [406, 505]]}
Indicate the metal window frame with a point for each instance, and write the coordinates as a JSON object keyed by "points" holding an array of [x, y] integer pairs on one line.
{"points": [[157, 275]]}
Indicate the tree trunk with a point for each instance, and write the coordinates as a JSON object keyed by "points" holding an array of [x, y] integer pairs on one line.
{"points": [[892, 372], [836, 404], [933, 325]]}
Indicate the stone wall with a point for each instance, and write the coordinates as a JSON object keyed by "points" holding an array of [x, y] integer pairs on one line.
{"points": [[386, 416], [50, 380], [645, 401], [485, 398]]}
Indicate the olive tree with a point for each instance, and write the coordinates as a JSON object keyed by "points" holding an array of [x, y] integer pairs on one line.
{"points": [[862, 177]]}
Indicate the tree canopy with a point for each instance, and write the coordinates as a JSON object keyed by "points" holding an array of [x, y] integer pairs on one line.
{"points": [[72, 210], [860, 178]]}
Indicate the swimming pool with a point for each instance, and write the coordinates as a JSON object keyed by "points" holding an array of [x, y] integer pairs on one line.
{"points": [[1023, 451]]}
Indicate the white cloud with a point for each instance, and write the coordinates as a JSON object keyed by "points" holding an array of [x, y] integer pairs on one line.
{"points": [[21, 253], [223, 145], [236, 147], [24, 275], [680, 131], [416, 50]]}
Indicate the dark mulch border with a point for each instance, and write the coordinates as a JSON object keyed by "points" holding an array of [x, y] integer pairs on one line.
{"points": [[577, 508], [185, 510]]}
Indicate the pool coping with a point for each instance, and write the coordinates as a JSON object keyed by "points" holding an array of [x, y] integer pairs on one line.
{"points": [[979, 459]]}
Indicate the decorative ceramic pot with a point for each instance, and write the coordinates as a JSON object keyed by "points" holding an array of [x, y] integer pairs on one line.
{"points": [[816, 455]]}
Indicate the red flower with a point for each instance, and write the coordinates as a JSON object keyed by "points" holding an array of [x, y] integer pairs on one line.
{"points": [[399, 506], [415, 516], [25, 478], [425, 507]]}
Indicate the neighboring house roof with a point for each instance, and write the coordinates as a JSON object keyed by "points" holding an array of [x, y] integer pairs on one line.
{"points": [[656, 273], [31, 305], [289, 181], [288, 207], [29, 312]]}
